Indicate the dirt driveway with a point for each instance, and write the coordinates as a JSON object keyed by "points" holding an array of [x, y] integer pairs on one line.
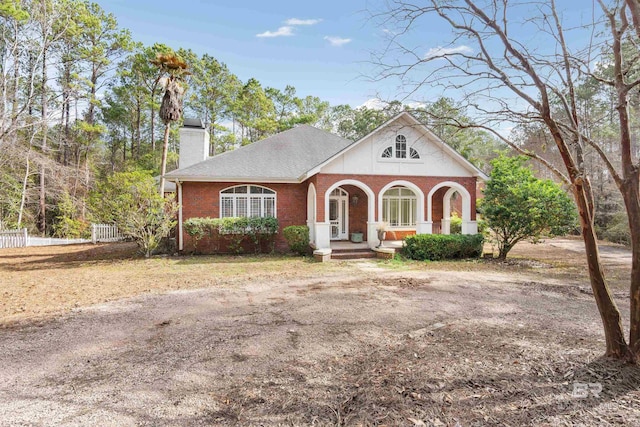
{"points": [[365, 343]]}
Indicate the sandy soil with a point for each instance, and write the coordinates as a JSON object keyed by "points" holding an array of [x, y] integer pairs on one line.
{"points": [[280, 341]]}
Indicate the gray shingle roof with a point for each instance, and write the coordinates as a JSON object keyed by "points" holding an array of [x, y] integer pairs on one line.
{"points": [[286, 156]]}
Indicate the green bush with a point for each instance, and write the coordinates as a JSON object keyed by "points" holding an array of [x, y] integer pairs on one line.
{"points": [[297, 237], [483, 228], [455, 226], [618, 230], [236, 231], [442, 246], [131, 201], [67, 223]]}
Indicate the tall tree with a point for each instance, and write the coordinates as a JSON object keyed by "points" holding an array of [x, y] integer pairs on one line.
{"points": [[213, 86], [171, 108], [148, 76], [255, 113], [486, 59]]}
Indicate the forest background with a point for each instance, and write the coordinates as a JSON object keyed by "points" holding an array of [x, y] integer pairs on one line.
{"points": [[80, 101]]}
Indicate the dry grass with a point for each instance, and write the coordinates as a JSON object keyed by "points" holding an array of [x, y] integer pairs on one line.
{"points": [[36, 282], [40, 281]]}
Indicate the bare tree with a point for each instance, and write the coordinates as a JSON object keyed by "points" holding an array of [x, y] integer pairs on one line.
{"points": [[503, 74], [627, 177]]}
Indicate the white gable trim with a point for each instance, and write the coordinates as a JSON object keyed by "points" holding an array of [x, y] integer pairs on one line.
{"points": [[450, 151]]}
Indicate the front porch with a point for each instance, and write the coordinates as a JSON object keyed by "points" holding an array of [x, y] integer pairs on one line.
{"points": [[349, 209]]}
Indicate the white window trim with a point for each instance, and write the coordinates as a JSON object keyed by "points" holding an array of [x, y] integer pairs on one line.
{"points": [[235, 196], [414, 214], [393, 158]]}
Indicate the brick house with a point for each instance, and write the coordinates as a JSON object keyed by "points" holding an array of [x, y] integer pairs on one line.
{"points": [[400, 174]]}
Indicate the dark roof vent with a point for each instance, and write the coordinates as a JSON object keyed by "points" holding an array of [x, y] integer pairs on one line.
{"points": [[193, 123]]}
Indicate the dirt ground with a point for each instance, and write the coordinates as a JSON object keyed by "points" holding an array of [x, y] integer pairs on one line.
{"points": [[90, 335]]}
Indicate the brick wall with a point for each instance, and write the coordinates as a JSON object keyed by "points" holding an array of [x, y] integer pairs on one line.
{"points": [[357, 212], [202, 199]]}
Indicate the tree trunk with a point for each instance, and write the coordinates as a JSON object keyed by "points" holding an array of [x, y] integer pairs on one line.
{"points": [[43, 194], [66, 109], [138, 126], [92, 97], [23, 197], [153, 115], [616, 345], [631, 193], [163, 164]]}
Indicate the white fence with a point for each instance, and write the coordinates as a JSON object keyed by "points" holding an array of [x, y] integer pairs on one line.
{"points": [[21, 239], [14, 238], [105, 233]]}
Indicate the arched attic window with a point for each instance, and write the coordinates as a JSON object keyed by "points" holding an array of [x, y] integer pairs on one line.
{"points": [[399, 150], [247, 201]]}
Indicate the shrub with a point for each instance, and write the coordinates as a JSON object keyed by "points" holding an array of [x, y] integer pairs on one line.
{"points": [[236, 231], [483, 228], [131, 201], [518, 206], [297, 237], [618, 230], [455, 226], [442, 246], [67, 223]]}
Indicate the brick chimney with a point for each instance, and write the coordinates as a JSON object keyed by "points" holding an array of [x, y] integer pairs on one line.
{"points": [[194, 143]]}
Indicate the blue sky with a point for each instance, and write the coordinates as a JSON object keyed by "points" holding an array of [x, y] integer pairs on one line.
{"points": [[322, 48], [326, 56]]}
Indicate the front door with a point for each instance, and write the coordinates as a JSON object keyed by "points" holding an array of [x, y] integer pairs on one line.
{"points": [[339, 214]]}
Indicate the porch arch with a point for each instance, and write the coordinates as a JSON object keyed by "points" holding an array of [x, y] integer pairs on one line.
{"points": [[410, 185], [364, 187], [323, 231], [468, 226]]}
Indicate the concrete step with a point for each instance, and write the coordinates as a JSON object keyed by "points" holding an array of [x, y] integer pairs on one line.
{"points": [[353, 254], [349, 250]]}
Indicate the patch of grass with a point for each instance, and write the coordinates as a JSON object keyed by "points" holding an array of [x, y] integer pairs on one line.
{"points": [[54, 280]]}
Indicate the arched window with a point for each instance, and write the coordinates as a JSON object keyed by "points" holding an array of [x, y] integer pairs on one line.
{"points": [[399, 207], [247, 201], [399, 150], [401, 147]]}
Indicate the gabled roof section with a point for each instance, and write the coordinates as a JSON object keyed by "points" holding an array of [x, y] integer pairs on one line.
{"points": [[412, 121], [284, 157]]}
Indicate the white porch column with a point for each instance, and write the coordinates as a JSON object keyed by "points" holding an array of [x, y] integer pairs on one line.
{"points": [[372, 234], [312, 231], [323, 235], [446, 226], [180, 230], [469, 227], [425, 227]]}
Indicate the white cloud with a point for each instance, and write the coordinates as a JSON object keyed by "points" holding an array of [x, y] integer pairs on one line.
{"points": [[297, 21], [282, 31], [379, 104], [336, 41], [438, 52], [374, 104], [415, 105]]}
